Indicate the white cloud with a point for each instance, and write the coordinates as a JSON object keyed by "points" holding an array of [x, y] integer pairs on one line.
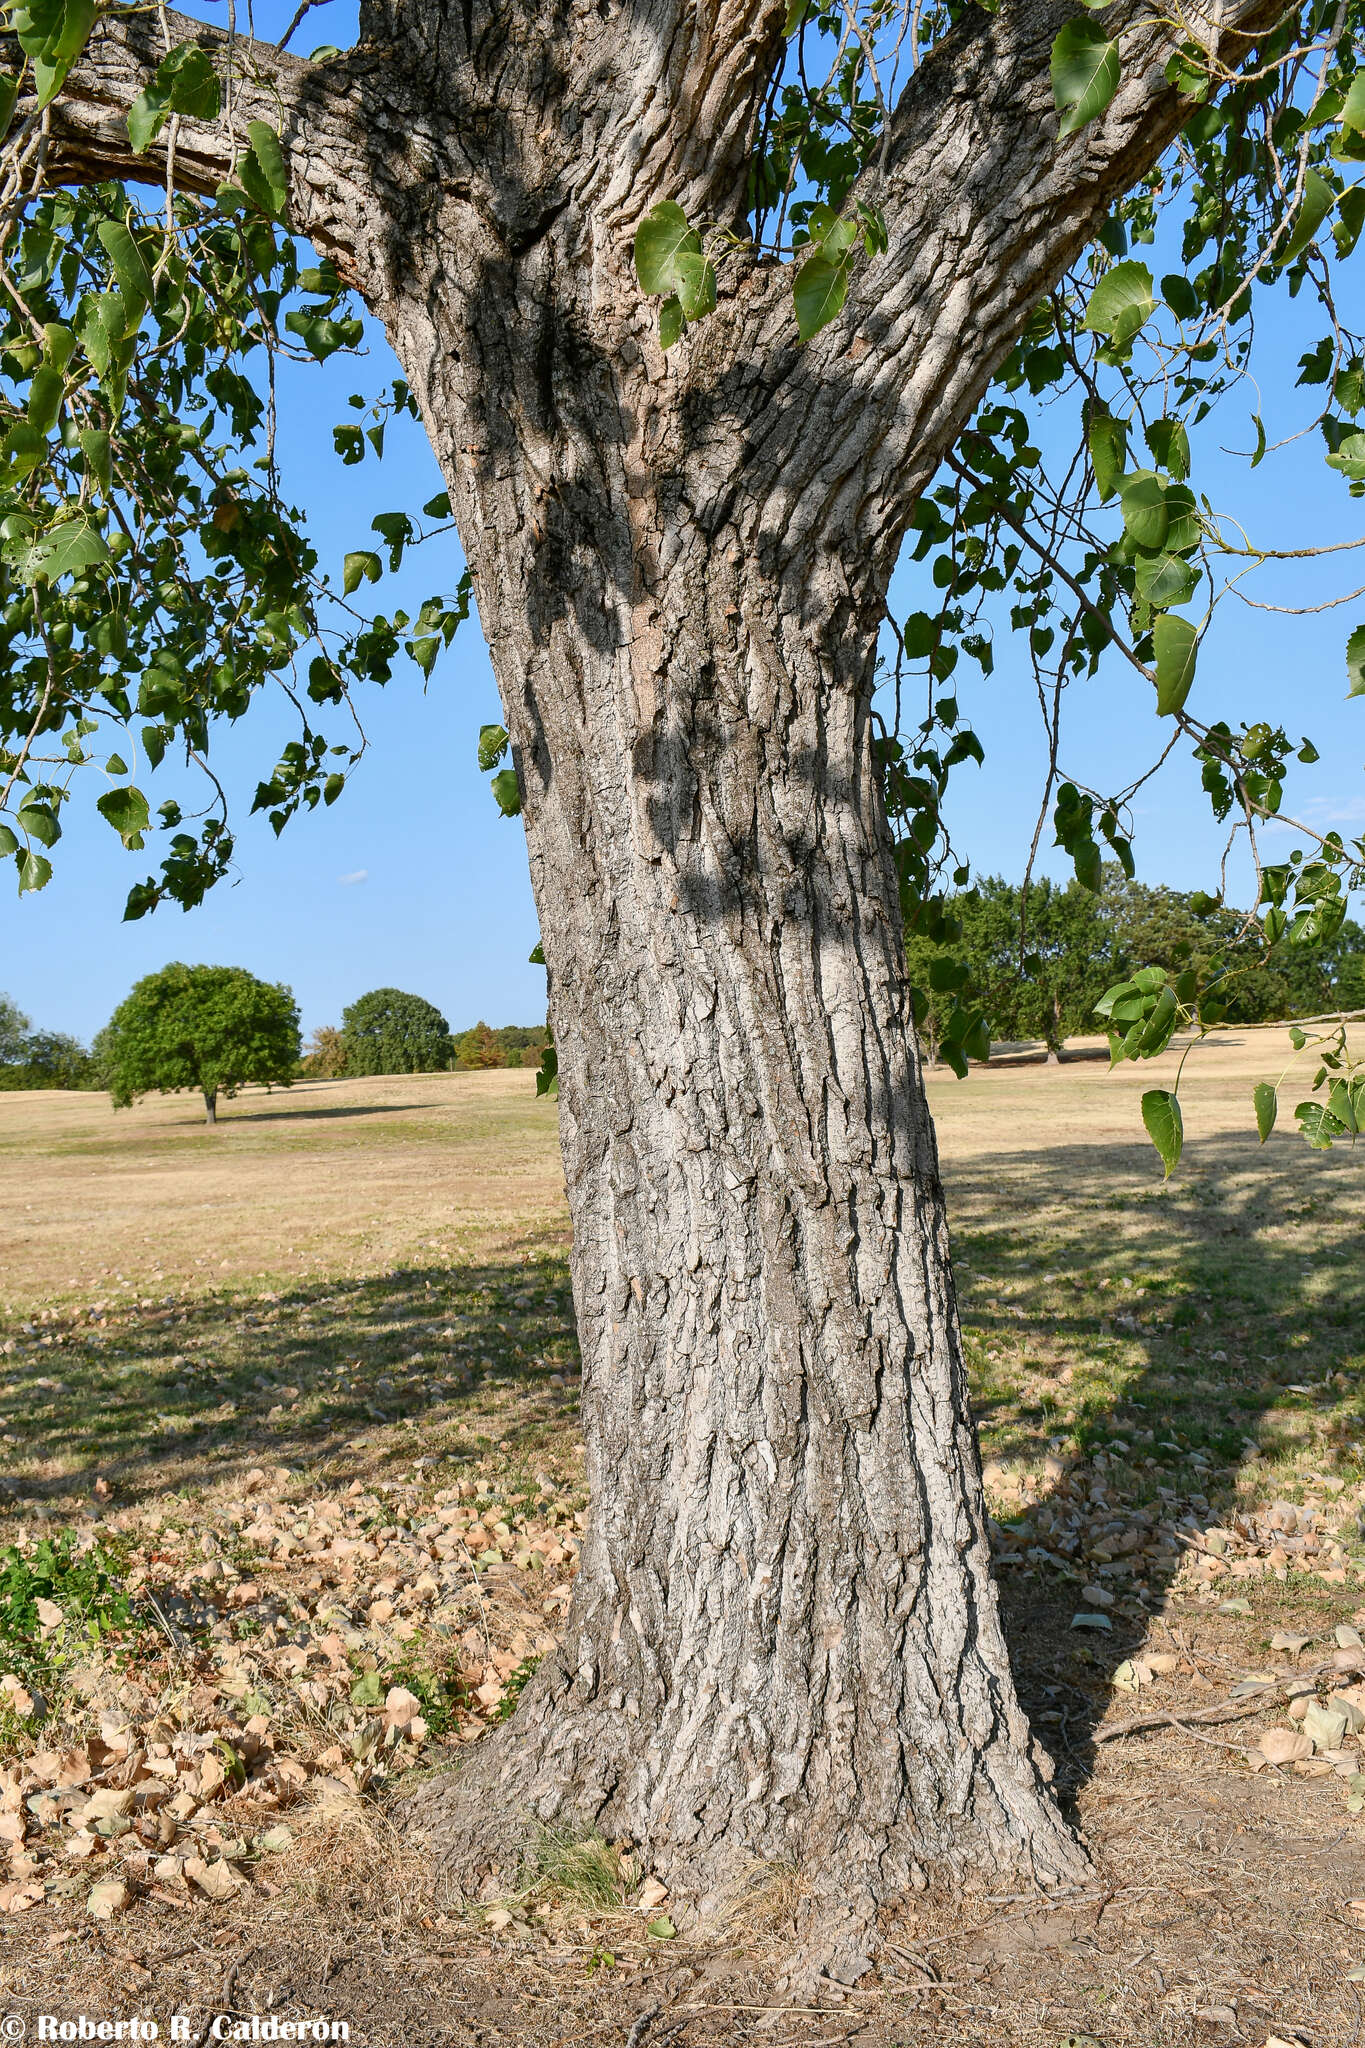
{"points": [[360, 875]]}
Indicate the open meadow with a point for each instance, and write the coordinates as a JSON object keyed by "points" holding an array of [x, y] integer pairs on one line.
{"points": [[290, 1467]]}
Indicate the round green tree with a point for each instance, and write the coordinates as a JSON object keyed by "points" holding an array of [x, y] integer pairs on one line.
{"points": [[389, 1031], [209, 1028]]}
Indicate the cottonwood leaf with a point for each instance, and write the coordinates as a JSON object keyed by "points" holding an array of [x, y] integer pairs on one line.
{"points": [[127, 811], [9, 92], [1145, 515], [1121, 302], [1164, 1126], [78, 544], [107, 1899], [1165, 580], [820, 291], [1085, 73], [662, 1929], [1108, 440], [1267, 1103], [1316, 203], [671, 321], [1175, 642], [662, 237], [1355, 663]]}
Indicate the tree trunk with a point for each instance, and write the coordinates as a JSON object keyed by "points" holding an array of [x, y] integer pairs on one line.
{"points": [[210, 1105], [784, 1645]]}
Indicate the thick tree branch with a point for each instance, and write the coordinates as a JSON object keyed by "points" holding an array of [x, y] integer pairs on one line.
{"points": [[985, 209], [318, 109]]}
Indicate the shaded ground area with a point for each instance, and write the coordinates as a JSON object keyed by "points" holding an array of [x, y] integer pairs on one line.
{"points": [[354, 1465]]}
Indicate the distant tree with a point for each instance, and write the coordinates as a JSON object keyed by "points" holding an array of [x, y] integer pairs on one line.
{"points": [[502, 1045], [14, 1030], [208, 1028], [54, 1059], [325, 1059], [479, 1049], [391, 1032], [1036, 968]]}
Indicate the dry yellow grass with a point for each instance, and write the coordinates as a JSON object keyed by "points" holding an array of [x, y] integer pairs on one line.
{"points": [[353, 1177], [335, 1177]]}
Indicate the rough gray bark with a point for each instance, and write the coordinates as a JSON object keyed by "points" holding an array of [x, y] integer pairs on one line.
{"points": [[784, 1644]]}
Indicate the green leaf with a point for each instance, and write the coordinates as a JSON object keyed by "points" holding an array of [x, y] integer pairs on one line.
{"points": [[35, 871], [8, 843], [1164, 580], [264, 178], [1317, 202], [1176, 643], [1267, 1102], [1145, 517], [129, 265], [361, 564], [662, 236], [1170, 446], [1180, 295], [1353, 109], [1316, 1124], [98, 461], [1108, 439], [1121, 302], [1350, 218], [820, 291], [437, 507], [39, 821], [661, 1929], [368, 1690], [507, 792], [493, 744], [547, 1078], [78, 544], [126, 810], [671, 321], [9, 92], [1164, 1125], [696, 291], [1355, 663], [1085, 73]]}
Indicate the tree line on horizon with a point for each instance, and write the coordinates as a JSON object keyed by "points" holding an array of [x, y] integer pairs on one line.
{"points": [[1038, 959], [213, 1029]]}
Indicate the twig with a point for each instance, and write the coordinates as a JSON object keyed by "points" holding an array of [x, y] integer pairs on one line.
{"points": [[641, 2027], [1224, 1710]]}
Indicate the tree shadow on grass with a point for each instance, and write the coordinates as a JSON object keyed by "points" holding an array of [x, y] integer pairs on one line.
{"points": [[370, 1109], [423, 1362], [1211, 1332]]}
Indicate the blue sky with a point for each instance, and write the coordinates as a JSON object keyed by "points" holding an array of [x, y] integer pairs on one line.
{"points": [[414, 879]]}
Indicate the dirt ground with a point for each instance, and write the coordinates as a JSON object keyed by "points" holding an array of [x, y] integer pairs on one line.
{"points": [[304, 1389]]}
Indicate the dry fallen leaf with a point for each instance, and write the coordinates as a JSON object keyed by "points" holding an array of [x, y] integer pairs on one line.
{"points": [[215, 1880], [113, 1896], [652, 1894], [1284, 1746]]}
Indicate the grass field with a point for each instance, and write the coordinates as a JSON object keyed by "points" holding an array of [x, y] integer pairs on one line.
{"points": [[306, 1382]]}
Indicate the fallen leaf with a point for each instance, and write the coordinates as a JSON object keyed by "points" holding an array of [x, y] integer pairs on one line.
{"points": [[275, 1841], [652, 1894], [1283, 1640], [497, 1919], [107, 1899], [1091, 1621], [215, 1880], [1284, 1746], [662, 1929]]}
